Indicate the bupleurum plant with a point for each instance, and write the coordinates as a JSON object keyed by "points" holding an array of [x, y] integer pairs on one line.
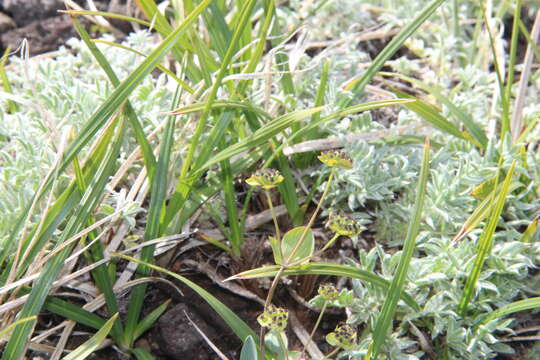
{"points": [[297, 247]]}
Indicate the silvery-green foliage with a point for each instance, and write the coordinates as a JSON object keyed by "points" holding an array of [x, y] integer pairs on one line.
{"points": [[435, 281], [62, 92], [379, 172]]}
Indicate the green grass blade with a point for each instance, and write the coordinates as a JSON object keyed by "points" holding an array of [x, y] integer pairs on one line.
{"points": [[73, 312], [121, 93], [521, 305], [249, 350], [91, 345], [496, 64], [184, 184], [236, 235], [475, 130], [391, 49], [287, 189], [160, 23], [430, 114], [262, 135], [150, 319], [530, 231], [354, 109], [160, 67], [107, 15], [219, 31], [17, 343], [530, 41], [505, 127], [485, 243], [5, 331], [321, 92], [237, 325], [142, 354], [325, 269], [385, 318], [481, 212], [12, 105], [158, 188], [148, 155], [95, 254], [225, 105], [259, 50]]}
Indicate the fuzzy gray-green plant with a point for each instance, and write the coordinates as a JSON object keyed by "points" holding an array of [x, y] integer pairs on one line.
{"points": [[61, 92]]}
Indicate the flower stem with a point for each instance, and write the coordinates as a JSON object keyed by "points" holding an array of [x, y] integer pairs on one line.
{"points": [[327, 245], [312, 219], [316, 253], [314, 328], [274, 217], [330, 354], [297, 246], [268, 302]]}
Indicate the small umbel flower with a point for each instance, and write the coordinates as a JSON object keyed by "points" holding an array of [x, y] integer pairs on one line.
{"points": [[336, 159], [344, 224], [265, 178], [343, 336], [274, 318], [328, 292]]}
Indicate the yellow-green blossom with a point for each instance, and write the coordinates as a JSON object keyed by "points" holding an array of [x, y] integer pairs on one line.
{"points": [[328, 292], [265, 178], [274, 318], [344, 224], [344, 337], [337, 159]]}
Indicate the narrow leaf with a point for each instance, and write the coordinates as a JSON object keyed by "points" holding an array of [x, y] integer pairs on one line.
{"points": [[384, 321], [249, 350], [91, 345], [325, 269], [485, 242]]}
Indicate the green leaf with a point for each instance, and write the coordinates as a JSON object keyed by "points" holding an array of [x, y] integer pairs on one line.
{"points": [[92, 195], [275, 250], [291, 241], [158, 189], [106, 14], [5, 331], [482, 211], [13, 107], [325, 269], [142, 354], [386, 316], [430, 114], [391, 49], [86, 349], [530, 231], [262, 135], [521, 305], [485, 242], [237, 325], [150, 319], [184, 183], [122, 92], [171, 74], [475, 129], [73, 312], [249, 350]]}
